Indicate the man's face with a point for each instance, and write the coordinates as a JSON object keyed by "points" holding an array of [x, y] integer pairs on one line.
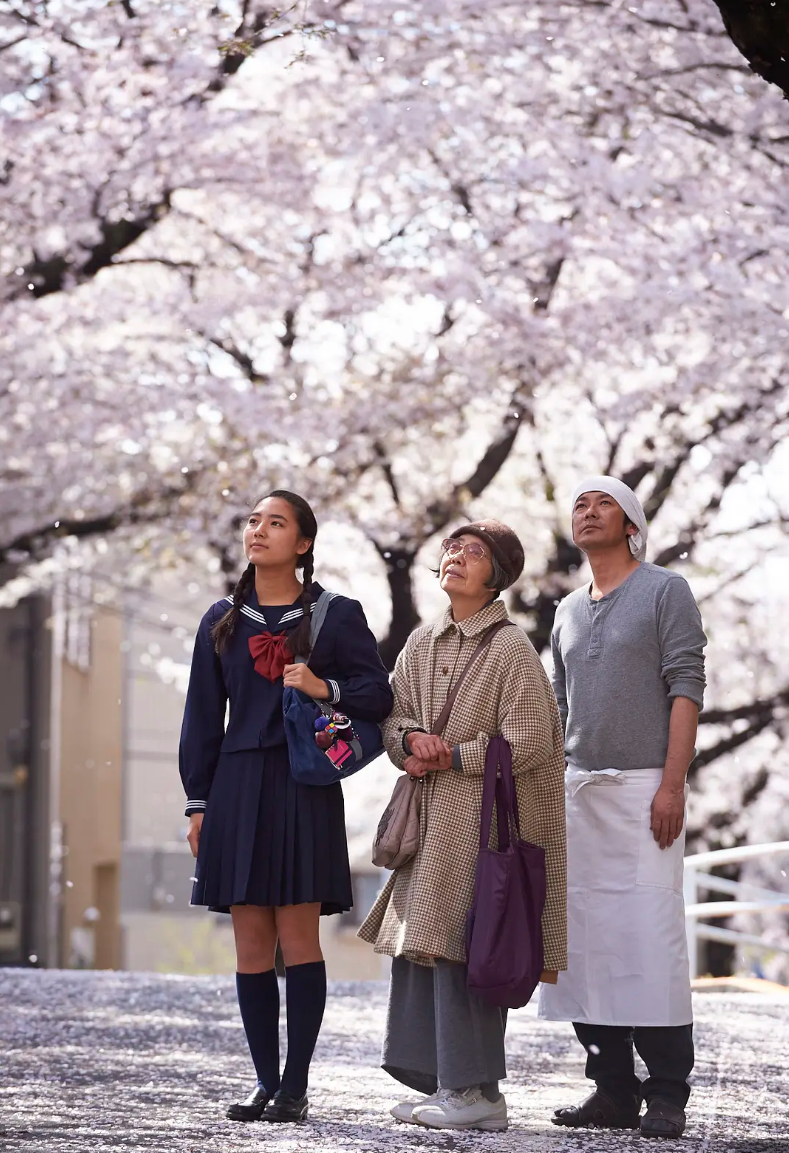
{"points": [[599, 522]]}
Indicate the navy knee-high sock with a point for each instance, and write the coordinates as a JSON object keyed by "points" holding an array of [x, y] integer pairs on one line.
{"points": [[305, 988], [258, 1000]]}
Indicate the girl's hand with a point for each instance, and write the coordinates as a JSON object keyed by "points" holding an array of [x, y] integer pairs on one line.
{"points": [[193, 836], [300, 677], [549, 977]]}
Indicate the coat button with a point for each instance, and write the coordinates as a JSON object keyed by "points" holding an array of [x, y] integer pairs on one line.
{"points": [[445, 670]]}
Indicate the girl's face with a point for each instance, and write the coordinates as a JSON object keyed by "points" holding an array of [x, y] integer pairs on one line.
{"points": [[466, 570], [272, 537]]}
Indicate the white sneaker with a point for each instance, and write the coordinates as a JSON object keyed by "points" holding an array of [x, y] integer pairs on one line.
{"points": [[404, 1110], [466, 1110]]}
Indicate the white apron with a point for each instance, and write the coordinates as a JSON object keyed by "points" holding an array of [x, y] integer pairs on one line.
{"points": [[627, 950]]}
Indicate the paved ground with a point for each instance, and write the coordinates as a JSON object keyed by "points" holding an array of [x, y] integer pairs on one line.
{"points": [[120, 1061]]}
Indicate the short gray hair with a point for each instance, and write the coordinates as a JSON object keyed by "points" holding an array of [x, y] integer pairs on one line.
{"points": [[498, 579]]}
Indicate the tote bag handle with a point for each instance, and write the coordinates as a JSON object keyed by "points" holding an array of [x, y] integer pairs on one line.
{"points": [[499, 787]]}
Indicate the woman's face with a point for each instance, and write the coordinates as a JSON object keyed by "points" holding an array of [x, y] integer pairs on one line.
{"points": [[272, 537], [467, 574]]}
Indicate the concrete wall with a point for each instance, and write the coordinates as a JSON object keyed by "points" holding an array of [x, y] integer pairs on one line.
{"points": [[90, 795]]}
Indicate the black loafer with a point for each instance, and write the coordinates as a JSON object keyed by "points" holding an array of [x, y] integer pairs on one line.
{"points": [[284, 1107], [598, 1112], [252, 1109], [662, 1119]]}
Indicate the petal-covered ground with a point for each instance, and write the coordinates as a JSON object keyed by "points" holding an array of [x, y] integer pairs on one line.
{"points": [[121, 1061]]}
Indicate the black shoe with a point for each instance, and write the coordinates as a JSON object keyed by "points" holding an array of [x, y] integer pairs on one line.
{"points": [[251, 1109], [285, 1107], [662, 1119], [598, 1112]]}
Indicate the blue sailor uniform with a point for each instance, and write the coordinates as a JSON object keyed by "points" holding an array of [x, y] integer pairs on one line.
{"points": [[265, 839]]}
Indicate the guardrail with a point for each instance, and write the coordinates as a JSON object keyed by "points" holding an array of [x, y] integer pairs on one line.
{"points": [[748, 899]]}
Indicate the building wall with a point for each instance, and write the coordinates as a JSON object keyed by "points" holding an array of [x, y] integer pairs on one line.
{"points": [[15, 739], [90, 791], [160, 931], [25, 676]]}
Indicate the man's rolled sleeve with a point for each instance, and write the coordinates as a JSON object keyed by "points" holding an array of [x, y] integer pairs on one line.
{"points": [[682, 642]]}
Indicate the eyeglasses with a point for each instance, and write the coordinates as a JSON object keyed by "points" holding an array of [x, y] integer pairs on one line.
{"points": [[472, 551]]}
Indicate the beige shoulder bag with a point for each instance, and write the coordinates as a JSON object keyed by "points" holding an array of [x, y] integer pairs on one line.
{"points": [[397, 837]]}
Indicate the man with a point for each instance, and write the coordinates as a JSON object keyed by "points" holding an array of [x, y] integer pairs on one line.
{"points": [[629, 679]]}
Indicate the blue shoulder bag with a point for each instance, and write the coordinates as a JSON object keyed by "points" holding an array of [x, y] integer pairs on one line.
{"points": [[325, 746]]}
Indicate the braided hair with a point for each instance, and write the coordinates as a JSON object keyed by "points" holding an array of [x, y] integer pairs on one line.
{"points": [[224, 628], [299, 640]]}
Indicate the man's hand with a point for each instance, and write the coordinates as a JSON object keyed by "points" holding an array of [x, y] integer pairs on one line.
{"points": [[434, 750], [668, 815], [300, 677]]}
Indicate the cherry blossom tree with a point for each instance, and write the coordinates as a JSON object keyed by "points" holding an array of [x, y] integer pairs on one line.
{"points": [[420, 263], [760, 29]]}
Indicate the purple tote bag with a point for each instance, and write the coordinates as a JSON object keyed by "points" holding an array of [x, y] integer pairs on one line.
{"points": [[504, 925]]}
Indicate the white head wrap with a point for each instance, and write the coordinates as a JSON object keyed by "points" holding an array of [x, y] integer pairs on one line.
{"points": [[629, 502]]}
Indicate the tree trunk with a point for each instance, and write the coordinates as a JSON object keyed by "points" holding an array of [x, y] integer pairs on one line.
{"points": [[760, 30], [399, 572]]}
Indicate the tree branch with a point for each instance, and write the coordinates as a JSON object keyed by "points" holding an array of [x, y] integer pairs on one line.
{"points": [[13, 43], [440, 512], [761, 33], [146, 506], [242, 359], [54, 273], [386, 468]]}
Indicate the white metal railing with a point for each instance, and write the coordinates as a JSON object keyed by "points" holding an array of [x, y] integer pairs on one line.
{"points": [[747, 899]]}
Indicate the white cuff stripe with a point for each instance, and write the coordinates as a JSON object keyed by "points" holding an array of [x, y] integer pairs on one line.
{"points": [[335, 691]]}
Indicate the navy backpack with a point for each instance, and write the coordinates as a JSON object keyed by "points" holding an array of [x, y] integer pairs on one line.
{"points": [[350, 745]]}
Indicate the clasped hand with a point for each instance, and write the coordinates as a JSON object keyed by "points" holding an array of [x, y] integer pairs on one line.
{"points": [[428, 753]]}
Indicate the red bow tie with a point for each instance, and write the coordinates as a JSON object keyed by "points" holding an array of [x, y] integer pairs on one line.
{"points": [[270, 654]]}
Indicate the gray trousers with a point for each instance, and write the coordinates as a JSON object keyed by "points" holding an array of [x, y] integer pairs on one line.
{"points": [[439, 1034]]}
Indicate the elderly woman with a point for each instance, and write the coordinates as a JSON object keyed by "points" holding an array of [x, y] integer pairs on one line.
{"points": [[441, 1040]]}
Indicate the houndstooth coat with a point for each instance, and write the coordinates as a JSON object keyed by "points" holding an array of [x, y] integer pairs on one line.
{"points": [[421, 913]]}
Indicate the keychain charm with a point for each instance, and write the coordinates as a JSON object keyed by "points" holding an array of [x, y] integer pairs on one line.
{"points": [[331, 728]]}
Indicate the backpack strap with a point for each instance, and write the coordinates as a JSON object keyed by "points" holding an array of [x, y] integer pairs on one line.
{"points": [[316, 622]]}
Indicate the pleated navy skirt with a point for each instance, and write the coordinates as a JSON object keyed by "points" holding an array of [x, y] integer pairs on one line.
{"points": [[267, 840]]}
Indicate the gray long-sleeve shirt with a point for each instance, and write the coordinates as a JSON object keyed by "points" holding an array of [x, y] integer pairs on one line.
{"points": [[619, 662]]}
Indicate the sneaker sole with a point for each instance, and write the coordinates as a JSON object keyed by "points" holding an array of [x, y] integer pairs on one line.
{"points": [[620, 1126], [494, 1125], [409, 1120]]}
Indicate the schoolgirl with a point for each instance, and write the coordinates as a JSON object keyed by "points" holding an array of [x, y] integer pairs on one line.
{"points": [[270, 851]]}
